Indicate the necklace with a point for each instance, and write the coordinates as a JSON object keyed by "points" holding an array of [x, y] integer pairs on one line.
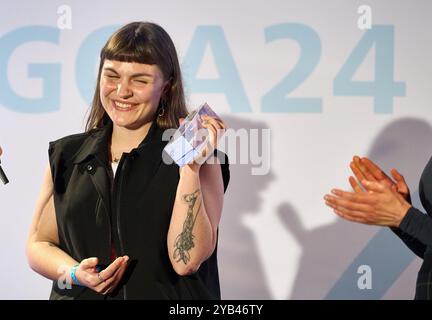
{"points": [[115, 159]]}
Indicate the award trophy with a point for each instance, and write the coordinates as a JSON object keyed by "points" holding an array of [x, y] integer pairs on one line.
{"points": [[191, 137]]}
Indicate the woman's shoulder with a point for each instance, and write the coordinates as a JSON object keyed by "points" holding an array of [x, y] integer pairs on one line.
{"points": [[70, 141], [71, 144]]}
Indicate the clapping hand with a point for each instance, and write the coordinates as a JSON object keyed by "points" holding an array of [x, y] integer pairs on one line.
{"points": [[376, 199], [365, 169]]}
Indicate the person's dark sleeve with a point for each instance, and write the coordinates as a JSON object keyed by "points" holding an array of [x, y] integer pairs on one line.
{"points": [[415, 231]]}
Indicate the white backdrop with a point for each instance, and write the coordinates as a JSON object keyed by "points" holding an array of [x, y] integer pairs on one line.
{"points": [[326, 88]]}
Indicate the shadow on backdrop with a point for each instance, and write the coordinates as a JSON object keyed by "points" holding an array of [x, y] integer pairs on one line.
{"points": [[327, 251], [241, 271]]}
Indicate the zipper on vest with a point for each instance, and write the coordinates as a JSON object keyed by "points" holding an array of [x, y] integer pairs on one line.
{"points": [[118, 179]]}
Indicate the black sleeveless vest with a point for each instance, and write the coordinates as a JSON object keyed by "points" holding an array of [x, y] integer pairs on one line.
{"points": [[132, 212]]}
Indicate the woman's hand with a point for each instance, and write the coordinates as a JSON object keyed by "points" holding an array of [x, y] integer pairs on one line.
{"points": [[102, 282], [380, 205], [365, 169], [216, 128]]}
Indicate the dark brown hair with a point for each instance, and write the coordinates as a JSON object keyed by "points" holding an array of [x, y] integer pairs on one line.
{"points": [[149, 43]]}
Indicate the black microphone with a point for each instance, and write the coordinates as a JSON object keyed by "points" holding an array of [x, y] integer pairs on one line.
{"points": [[3, 176]]}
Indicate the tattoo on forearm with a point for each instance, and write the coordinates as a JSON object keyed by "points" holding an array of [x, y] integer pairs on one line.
{"points": [[185, 240]]}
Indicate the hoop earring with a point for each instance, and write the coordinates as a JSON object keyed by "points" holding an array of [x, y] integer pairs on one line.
{"points": [[162, 108]]}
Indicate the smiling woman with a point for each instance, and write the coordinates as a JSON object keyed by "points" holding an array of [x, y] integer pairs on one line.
{"points": [[130, 92], [110, 212]]}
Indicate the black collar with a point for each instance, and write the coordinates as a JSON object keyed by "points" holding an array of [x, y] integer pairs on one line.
{"points": [[96, 144]]}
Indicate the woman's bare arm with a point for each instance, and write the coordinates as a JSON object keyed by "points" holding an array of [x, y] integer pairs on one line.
{"points": [[43, 253]]}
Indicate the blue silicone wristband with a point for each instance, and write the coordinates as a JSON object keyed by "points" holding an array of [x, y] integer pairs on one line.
{"points": [[73, 276]]}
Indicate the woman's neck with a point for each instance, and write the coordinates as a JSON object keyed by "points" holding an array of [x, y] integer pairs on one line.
{"points": [[124, 140]]}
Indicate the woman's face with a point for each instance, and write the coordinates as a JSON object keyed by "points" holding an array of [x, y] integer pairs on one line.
{"points": [[130, 92]]}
